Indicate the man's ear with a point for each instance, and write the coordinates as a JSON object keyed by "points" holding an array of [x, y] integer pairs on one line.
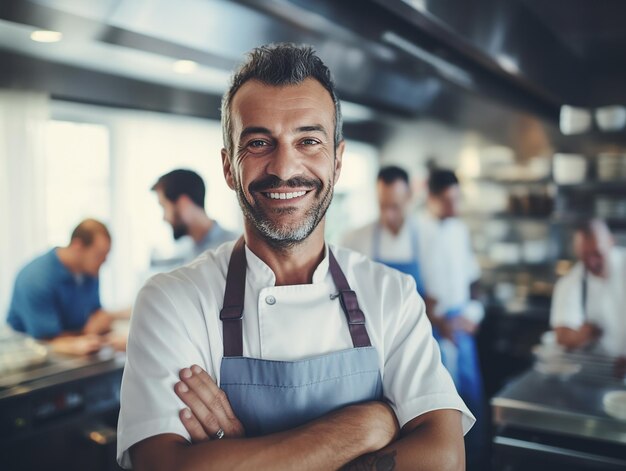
{"points": [[339, 159], [227, 169]]}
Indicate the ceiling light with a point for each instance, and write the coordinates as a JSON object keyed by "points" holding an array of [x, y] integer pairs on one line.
{"points": [[185, 67], [46, 36]]}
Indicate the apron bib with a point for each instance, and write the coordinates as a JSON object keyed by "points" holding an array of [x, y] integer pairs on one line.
{"points": [[270, 396], [412, 267]]}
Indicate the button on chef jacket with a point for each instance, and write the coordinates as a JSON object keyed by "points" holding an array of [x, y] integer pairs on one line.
{"points": [[606, 299], [176, 323]]}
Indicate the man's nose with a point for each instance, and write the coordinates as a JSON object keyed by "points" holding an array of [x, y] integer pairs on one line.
{"points": [[285, 162]]}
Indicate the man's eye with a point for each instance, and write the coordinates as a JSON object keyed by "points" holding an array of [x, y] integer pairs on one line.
{"points": [[310, 142], [257, 143]]}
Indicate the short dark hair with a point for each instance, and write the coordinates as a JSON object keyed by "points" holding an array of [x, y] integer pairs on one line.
{"points": [[392, 173], [278, 65], [590, 227], [182, 182], [86, 232], [440, 180]]}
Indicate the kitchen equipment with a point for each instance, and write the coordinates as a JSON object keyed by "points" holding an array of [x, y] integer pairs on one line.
{"points": [[505, 253], [611, 118], [615, 404], [553, 423], [611, 167], [18, 351], [574, 120], [569, 169], [61, 414]]}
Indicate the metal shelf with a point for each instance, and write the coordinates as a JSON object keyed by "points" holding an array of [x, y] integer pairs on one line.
{"points": [[616, 186], [508, 217]]}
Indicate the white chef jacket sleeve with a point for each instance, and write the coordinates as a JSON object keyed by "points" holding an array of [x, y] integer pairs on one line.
{"points": [[473, 267], [414, 378], [159, 345], [567, 308]]}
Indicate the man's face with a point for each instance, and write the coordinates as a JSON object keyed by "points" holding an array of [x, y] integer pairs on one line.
{"points": [[393, 199], [593, 251], [284, 165], [93, 256], [172, 216], [446, 203]]}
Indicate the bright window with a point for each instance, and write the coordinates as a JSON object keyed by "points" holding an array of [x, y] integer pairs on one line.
{"points": [[77, 177]]}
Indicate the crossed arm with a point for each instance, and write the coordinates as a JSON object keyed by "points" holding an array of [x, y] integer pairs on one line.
{"points": [[577, 338], [357, 437]]}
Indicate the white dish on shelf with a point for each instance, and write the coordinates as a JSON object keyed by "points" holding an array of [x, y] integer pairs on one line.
{"points": [[614, 403], [569, 169]]}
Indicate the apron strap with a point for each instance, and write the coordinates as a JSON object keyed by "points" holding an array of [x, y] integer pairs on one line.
{"points": [[349, 304], [231, 314]]}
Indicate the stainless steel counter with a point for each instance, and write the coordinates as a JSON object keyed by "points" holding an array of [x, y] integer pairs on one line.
{"points": [[57, 370], [551, 423], [570, 406], [61, 414]]}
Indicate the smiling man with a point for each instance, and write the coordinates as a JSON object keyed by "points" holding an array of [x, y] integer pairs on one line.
{"points": [[279, 351]]}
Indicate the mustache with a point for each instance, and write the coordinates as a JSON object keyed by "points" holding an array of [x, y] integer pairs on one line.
{"points": [[272, 181]]}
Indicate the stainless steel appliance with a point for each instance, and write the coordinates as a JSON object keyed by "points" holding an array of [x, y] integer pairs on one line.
{"points": [[558, 422], [61, 414]]}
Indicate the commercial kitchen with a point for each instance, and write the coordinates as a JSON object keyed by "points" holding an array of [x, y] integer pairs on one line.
{"points": [[520, 104]]}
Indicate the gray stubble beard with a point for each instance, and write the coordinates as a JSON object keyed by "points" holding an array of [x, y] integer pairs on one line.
{"points": [[278, 237]]}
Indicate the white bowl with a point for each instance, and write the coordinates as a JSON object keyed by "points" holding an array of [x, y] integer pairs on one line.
{"points": [[615, 404]]}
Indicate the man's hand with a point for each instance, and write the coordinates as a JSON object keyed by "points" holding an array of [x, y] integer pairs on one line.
{"points": [[98, 323], [77, 344], [464, 325], [445, 327], [117, 341], [585, 335], [208, 407], [590, 333]]}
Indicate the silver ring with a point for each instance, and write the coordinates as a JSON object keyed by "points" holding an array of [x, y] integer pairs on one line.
{"points": [[219, 434]]}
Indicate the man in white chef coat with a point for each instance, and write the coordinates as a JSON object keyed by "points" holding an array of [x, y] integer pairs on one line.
{"points": [[393, 238], [451, 273], [279, 351], [588, 303]]}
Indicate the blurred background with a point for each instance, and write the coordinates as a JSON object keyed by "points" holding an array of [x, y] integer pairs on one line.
{"points": [[524, 99]]}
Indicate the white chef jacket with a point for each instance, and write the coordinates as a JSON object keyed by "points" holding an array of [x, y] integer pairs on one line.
{"points": [[447, 263], [395, 248], [176, 323], [605, 307]]}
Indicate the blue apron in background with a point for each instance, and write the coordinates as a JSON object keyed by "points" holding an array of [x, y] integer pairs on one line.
{"points": [[412, 267], [461, 359], [464, 367], [271, 396]]}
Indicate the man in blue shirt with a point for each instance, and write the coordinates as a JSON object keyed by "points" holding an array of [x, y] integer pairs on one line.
{"points": [[56, 296]]}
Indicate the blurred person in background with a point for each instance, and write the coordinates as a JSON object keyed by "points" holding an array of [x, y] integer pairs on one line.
{"points": [[181, 195], [392, 240], [588, 303], [451, 273], [56, 296]]}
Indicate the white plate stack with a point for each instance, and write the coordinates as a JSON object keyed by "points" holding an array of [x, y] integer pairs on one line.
{"points": [[614, 403]]}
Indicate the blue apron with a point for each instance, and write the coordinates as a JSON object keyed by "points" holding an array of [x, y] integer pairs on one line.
{"points": [[270, 396], [466, 371], [412, 267], [468, 381]]}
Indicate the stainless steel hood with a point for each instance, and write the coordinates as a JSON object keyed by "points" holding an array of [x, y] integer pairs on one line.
{"points": [[405, 59]]}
